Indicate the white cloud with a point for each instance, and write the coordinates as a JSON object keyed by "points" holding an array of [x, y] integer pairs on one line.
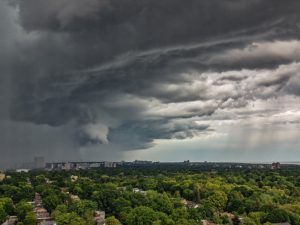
{"points": [[182, 109], [96, 132], [276, 50]]}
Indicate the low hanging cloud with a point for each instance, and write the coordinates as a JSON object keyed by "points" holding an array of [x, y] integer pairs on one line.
{"points": [[95, 132], [127, 73]]}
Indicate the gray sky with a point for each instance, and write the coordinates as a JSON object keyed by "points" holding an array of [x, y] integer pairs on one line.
{"points": [[164, 80]]}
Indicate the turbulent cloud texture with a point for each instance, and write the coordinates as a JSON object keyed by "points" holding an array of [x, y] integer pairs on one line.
{"points": [[122, 74]]}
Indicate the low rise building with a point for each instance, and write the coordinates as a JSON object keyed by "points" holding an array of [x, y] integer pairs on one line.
{"points": [[2, 176], [42, 215], [49, 222], [139, 191], [99, 217], [206, 222], [74, 197], [189, 204], [12, 220], [74, 178]]}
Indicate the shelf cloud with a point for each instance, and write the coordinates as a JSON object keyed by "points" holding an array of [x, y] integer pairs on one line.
{"points": [[119, 75]]}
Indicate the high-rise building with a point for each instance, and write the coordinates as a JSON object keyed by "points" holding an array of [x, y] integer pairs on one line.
{"points": [[186, 162], [39, 162], [110, 164]]}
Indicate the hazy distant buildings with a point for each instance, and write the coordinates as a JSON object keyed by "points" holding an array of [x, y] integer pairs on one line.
{"points": [[110, 164], [186, 162], [79, 165], [39, 162], [67, 166], [150, 164], [275, 166], [96, 164], [22, 170], [142, 162]]}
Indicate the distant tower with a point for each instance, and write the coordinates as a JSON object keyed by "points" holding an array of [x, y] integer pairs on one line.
{"points": [[39, 162], [186, 162]]}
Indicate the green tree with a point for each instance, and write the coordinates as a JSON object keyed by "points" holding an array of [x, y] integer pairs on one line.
{"points": [[277, 216], [68, 219], [143, 216], [26, 191], [235, 202], [218, 200], [51, 202], [22, 209], [8, 205], [186, 222], [119, 204], [112, 221], [179, 213], [159, 202], [3, 213], [249, 221], [257, 217], [83, 206], [11, 191], [30, 219]]}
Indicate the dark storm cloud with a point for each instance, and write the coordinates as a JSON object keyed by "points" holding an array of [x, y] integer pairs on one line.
{"points": [[139, 135], [124, 72], [100, 29]]}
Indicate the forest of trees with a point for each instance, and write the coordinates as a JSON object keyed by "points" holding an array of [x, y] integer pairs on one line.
{"points": [[155, 196]]}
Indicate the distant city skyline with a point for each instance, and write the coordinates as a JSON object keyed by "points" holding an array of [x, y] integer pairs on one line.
{"points": [[39, 162], [171, 80]]}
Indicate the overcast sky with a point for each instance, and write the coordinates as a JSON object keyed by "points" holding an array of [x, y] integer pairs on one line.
{"points": [[165, 80]]}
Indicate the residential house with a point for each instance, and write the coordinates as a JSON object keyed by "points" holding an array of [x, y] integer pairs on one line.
{"points": [[99, 217], [189, 204]]}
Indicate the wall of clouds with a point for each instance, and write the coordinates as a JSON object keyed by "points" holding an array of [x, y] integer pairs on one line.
{"points": [[121, 74]]}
